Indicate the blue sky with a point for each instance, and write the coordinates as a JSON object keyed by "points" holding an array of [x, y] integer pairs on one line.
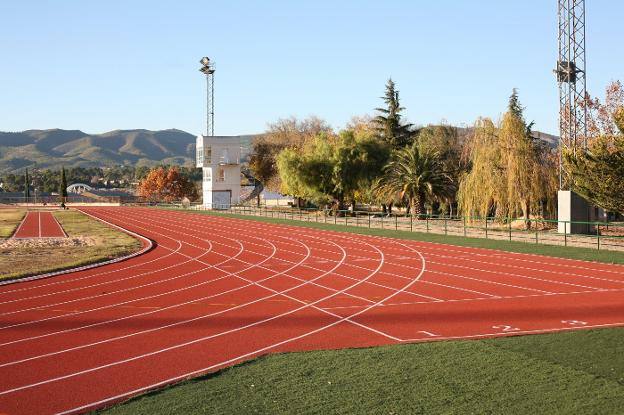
{"points": [[98, 66]]}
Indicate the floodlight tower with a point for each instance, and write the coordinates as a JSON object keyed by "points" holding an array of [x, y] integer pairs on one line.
{"points": [[573, 212], [571, 76], [209, 70]]}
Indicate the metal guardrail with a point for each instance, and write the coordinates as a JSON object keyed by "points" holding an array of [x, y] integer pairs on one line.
{"points": [[604, 235]]}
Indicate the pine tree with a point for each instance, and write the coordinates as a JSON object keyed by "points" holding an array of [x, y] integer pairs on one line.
{"points": [[63, 187], [388, 125], [517, 110]]}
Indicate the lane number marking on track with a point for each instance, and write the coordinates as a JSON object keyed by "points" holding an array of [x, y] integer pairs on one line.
{"points": [[506, 328], [574, 322]]}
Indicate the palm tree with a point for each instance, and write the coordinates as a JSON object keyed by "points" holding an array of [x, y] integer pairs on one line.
{"points": [[417, 176]]}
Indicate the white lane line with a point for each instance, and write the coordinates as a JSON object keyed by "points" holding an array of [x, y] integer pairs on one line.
{"points": [[514, 333], [153, 329], [20, 225], [505, 297], [205, 338], [194, 300], [159, 220], [107, 294], [74, 300], [71, 280], [504, 255], [238, 358], [228, 258], [95, 285], [59, 225], [166, 382], [410, 267], [324, 241], [539, 270], [495, 272], [215, 295]]}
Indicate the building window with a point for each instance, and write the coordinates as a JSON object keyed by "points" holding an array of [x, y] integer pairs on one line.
{"points": [[207, 175], [221, 176], [208, 155], [200, 155], [224, 156]]}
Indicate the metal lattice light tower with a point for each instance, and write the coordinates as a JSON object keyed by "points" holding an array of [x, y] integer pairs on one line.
{"points": [[209, 70], [571, 75]]}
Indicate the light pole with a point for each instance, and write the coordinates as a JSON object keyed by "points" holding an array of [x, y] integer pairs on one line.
{"points": [[209, 70]]}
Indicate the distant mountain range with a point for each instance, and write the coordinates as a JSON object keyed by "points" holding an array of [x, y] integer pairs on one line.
{"points": [[74, 148]]}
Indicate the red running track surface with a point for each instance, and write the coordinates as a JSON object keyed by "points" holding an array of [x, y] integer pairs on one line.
{"points": [[215, 291], [39, 224]]}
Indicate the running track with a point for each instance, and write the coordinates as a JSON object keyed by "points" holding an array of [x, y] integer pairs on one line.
{"points": [[38, 224], [215, 291]]}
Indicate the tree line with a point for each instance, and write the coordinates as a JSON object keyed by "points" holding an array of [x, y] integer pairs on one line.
{"points": [[495, 168], [119, 177]]}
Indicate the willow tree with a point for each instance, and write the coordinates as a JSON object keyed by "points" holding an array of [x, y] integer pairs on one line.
{"points": [[530, 174], [512, 174], [481, 189]]}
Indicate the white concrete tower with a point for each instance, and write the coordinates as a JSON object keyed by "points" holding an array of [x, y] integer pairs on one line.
{"points": [[219, 158]]}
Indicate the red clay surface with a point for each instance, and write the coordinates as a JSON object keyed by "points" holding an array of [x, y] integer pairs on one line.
{"points": [[216, 291], [39, 224]]}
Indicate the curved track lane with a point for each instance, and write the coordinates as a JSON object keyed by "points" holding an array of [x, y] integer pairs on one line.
{"points": [[215, 291]]}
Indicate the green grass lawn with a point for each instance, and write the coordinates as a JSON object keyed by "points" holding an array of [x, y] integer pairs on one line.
{"points": [[9, 220], [104, 243], [565, 373], [587, 254]]}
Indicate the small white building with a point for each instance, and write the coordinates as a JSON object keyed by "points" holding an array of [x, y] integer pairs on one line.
{"points": [[219, 158]]}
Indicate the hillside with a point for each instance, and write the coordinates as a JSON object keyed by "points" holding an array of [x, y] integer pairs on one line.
{"points": [[74, 148]]}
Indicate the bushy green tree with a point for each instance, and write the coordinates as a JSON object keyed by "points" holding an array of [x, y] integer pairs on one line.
{"points": [[332, 168], [598, 174], [289, 133]]}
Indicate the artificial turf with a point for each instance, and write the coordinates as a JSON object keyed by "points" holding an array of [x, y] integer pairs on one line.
{"points": [[579, 372]]}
